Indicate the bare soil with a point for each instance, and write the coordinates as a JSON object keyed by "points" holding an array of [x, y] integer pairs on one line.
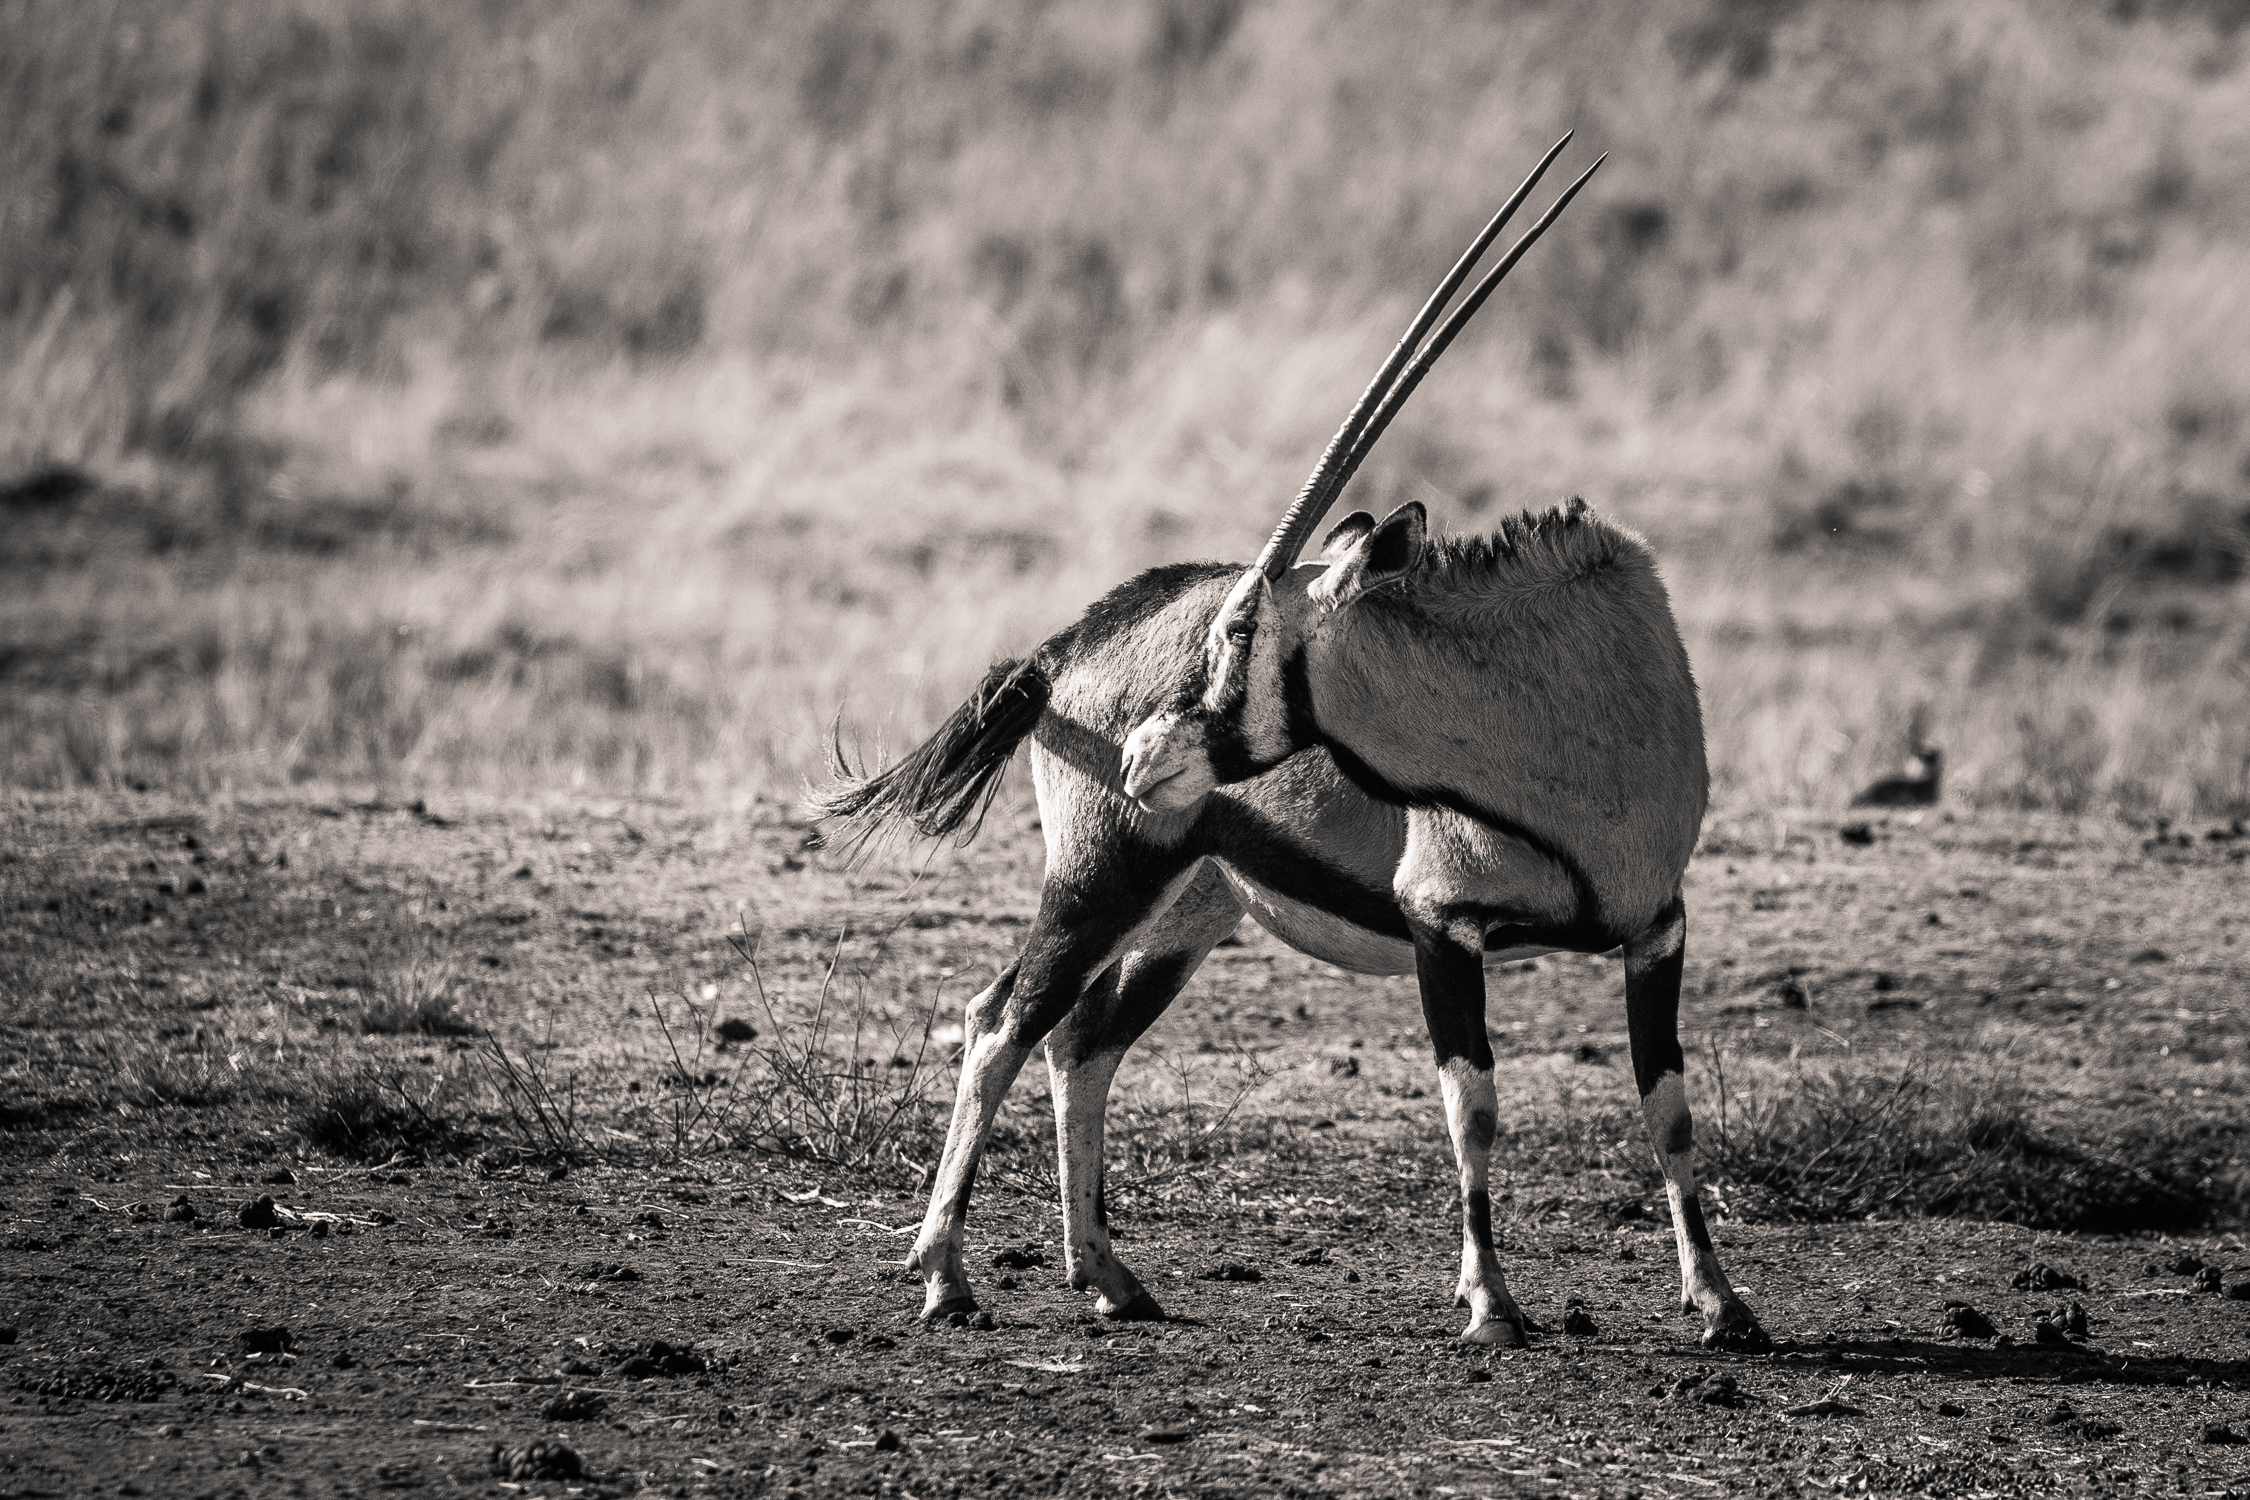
{"points": [[456, 1296]]}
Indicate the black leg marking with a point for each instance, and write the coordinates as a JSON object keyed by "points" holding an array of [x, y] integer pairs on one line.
{"points": [[1452, 983], [1691, 1216], [1479, 1210], [1652, 1008]]}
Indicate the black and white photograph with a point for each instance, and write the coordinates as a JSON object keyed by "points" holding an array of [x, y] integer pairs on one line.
{"points": [[938, 749]]}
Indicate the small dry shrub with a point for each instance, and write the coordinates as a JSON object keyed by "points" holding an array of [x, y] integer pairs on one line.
{"points": [[842, 1084], [419, 999], [372, 1117]]}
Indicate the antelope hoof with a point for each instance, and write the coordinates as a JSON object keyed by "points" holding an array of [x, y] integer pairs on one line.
{"points": [[1736, 1331], [1497, 1332], [1139, 1308], [944, 1304]]}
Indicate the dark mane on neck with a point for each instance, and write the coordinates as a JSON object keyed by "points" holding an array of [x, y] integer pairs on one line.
{"points": [[1529, 557]]}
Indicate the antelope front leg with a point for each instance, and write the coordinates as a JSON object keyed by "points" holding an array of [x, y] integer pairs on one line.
{"points": [[990, 1066], [1452, 982], [1652, 1012]]}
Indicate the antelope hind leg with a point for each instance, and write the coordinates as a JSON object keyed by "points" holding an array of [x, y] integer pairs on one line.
{"points": [[991, 1065], [1083, 1053]]}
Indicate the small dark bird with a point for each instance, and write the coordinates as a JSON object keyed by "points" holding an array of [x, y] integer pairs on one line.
{"points": [[1917, 788]]}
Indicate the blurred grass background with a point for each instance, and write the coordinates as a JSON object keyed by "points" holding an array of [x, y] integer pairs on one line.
{"points": [[605, 394]]}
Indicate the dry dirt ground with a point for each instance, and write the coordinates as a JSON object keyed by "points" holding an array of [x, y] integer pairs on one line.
{"points": [[454, 1298]]}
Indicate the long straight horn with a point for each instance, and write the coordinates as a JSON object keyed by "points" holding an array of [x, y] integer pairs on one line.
{"points": [[1328, 475], [1453, 325]]}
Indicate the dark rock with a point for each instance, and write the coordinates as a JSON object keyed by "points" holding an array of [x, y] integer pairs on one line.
{"points": [[1166, 1434], [649, 1218], [1579, 1323], [2240, 1291], [181, 1211], [1856, 833], [1951, 1409], [2210, 1279], [983, 1323], [280, 1177], [841, 1334], [343, 1360], [659, 1358], [573, 1406], [259, 1215], [1968, 1322], [539, 1460], [1008, 1283], [603, 1270], [2220, 1432], [2045, 1332], [8, 1334], [1020, 1260], [2179, 1263], [1230, 1271], [733, 1031], [1823, 1408], [2045, 1278], [888, 1442], [1719, 1390], [577, 1367], [265, 1341], [1479, 1377]]}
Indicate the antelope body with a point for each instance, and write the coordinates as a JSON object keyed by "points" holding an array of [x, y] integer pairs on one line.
{"points": [[1408, 755]]}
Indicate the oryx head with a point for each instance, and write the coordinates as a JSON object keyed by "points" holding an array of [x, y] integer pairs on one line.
{"points": [[1251, 708]]}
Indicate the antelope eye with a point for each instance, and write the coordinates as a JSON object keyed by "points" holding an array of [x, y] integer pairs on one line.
{"points": [[1241, 630]]}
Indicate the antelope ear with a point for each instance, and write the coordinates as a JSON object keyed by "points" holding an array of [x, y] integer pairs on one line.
{"points": [[1346, 535], [1388, 552]]}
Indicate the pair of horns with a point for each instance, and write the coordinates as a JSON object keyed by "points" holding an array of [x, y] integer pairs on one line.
{"points": [[1396, 381]]}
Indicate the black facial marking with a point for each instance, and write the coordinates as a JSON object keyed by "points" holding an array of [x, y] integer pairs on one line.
{"points": [[1681, 1137], [1452, 984], [1691, 1215], [1652, 1009], [1296, 701]]}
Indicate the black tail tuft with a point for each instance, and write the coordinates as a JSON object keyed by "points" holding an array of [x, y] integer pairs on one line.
{"points": [[950, 779]]}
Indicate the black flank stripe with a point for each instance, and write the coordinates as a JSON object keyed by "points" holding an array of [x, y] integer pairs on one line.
{"points": [[1262, 853], [1587, 919]]}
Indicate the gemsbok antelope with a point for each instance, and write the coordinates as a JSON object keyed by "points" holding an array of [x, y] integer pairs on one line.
{"points": [[1413, 754]]}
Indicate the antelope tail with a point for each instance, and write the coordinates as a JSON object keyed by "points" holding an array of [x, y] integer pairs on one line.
{"points": [[948, 781]]}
